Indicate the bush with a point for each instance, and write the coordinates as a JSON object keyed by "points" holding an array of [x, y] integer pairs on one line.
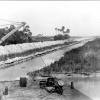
{"points": [[61, 37]]}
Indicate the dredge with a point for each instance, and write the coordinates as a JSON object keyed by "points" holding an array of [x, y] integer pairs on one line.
{"points": [[18, 33]]}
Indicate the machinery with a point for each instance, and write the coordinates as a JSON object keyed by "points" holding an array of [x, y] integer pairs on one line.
{"points": [[18, 32], [52, 85], [11, 32]]}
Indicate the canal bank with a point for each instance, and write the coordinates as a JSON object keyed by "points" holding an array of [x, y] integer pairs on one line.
{"points": [[11, 52], [18, 60], [33, 92]]}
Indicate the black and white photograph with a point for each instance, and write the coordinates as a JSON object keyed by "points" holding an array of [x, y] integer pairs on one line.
{"points": [[50, 50]]}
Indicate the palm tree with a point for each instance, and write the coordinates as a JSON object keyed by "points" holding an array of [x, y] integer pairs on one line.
{"points": [[67, 31]]}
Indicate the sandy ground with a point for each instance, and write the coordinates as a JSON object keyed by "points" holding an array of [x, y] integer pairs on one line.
{"points": [[33, 92]]}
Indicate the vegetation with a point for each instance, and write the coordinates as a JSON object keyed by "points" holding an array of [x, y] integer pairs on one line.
{"points": [[65, 33], [83, 59], [61, 37], [42, 38], [63, 29], [18, 37]]}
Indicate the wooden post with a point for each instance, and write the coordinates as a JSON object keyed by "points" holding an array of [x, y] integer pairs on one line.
{"points": [[5, 91], [72, 85]]}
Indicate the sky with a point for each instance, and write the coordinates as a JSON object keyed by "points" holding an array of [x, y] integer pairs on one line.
{"points": [[81, 17]]}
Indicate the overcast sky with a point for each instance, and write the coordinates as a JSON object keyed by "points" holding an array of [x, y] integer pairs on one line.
{"points": [[82, 17]]}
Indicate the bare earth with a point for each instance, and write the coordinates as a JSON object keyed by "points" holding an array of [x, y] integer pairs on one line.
{"points": [[33, 92]]}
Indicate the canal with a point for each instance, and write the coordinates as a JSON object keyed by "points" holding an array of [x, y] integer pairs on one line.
{"points": [[89, 86], [14, 72]]}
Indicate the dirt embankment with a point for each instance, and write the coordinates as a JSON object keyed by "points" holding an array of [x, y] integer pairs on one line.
{"points": [[33, 92], [25, 49], [79, 60]]}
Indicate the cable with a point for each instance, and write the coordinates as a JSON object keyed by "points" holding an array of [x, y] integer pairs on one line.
{"points": [[43, 60], [41, 57]]}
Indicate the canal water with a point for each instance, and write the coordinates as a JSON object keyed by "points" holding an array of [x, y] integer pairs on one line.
{"points": [[14, 72], [89, 86]]}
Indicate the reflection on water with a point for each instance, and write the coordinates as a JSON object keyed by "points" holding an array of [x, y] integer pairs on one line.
{"points": [[90, 86]]}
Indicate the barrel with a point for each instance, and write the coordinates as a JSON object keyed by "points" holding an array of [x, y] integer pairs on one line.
{"points": [[23, 82]]}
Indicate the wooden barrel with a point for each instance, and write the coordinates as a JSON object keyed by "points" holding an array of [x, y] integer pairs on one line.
{"points": [[23, 82]]}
